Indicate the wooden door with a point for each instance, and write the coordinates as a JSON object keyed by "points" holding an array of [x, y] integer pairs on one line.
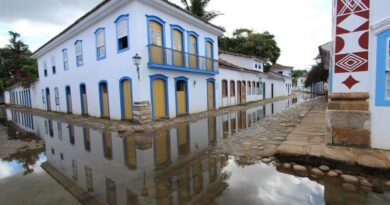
{"points": [[104, 100], [127, 103], [159, 98], [239, 93], [178, 48], [209, 56], [156, 41], [193, 43], [83, 99], [210, 95], [69, 100], [181, 94], [243, 91]]}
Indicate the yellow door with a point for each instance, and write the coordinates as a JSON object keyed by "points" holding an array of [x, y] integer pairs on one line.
{"points": [[69, 97], [104, 93], [84, 100], [193, 51], [210, 97], [209, 55], [181, 97], [127, 104], [159, 100], [178, 48], [156, 42], [162, 148], [182, 135]]}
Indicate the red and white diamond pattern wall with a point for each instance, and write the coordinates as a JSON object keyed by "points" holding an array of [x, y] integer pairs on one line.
{"points": [[351, 44]]}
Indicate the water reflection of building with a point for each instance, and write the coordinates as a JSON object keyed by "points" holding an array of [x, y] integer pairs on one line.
{"points": [[128, 169]]}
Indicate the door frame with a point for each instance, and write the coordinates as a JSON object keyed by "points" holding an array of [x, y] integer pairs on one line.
{"points": [[122, 96], [165, 79], [212, 80], [101, 98], [182, 78]]}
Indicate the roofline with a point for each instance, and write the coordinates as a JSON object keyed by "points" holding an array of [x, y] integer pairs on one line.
{"points": [[241, 55], [114, 5]]}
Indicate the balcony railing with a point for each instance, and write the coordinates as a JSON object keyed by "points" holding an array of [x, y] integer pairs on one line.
{"points": [[161, 57]]}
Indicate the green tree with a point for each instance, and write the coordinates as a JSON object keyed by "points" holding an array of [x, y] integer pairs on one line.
{"points": [[317, 74], [16, 65], [198, 8], [249, 42]]}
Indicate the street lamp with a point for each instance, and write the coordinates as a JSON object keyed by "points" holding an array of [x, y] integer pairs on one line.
{"points": [[318, 59], [137, 62]]}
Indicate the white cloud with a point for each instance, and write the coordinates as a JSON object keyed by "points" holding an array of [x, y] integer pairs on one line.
{"points": [[300, 26]]}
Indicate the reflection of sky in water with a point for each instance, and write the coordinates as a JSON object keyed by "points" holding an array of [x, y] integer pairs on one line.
{"points": [[8, 169], [262, 184]]}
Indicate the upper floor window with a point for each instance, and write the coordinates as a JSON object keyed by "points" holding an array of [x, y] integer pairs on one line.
{"points": [[122, 32], [177, 45], [156, 39], [79, 53], [209, 53], [193, 49], [65, 58], [53, 64], [45, 69], [100, 44]]}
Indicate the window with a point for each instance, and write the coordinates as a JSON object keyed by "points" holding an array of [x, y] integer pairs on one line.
{"points": [[43, 96], [65, 58], [122, 32], [100, 44], [57, 96], [232, 89], [45, 69], [209, 54], [53, 64], [79, 53], [255, 65], [224, 88]]}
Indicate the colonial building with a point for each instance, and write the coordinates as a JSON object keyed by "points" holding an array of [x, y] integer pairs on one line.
{"points": [[286, 72], [359, 104], [141, 60]]}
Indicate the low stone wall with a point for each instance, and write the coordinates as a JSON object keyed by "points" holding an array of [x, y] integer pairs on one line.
{"points": [[348, 120]]}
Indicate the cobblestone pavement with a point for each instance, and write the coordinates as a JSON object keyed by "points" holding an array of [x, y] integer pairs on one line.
{"points": [[308, 140], [260, 141]]}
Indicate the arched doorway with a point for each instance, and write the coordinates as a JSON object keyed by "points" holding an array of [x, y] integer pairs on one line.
{"points": [[181, 96], [83, 96], [48, 99], [211, 94], [68, 94], [159, 96], [104, 104]]}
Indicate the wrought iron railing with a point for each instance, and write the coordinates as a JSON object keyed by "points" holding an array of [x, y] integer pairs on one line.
{"points": [[170, 57]]}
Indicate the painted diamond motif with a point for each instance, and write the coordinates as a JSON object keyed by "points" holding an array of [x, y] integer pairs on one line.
{"points": [[352, 6], [352, 22], [351, 62], [350, 82]]}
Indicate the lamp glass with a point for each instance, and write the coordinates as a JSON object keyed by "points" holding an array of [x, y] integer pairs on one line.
{"points": [[137, 60]]}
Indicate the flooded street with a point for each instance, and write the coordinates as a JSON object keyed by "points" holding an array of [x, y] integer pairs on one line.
{"points": [[70, 164]]}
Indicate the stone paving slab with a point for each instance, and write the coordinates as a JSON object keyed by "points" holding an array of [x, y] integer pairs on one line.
{"points": [[308, 140]]}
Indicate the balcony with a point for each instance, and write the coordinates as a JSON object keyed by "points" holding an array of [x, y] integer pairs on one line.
{"points": [[166, 58]]}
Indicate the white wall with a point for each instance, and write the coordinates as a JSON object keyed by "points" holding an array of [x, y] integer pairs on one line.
{"points": [[243, 62], [118, 65]]}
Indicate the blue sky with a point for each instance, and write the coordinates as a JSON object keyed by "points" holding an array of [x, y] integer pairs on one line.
{"points": [[300, 26]]}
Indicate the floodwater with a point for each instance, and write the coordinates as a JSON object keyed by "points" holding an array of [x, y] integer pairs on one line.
{"points": [[80, 165]]}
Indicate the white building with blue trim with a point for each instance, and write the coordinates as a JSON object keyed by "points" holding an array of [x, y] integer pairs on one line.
{"points": [[90, 69]]}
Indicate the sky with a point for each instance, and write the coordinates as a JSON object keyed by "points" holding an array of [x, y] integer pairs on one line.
{"points": [[299, 26]]}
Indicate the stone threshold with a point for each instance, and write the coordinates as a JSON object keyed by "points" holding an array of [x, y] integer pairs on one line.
{"points": [[129, 127], [306, 144]]}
